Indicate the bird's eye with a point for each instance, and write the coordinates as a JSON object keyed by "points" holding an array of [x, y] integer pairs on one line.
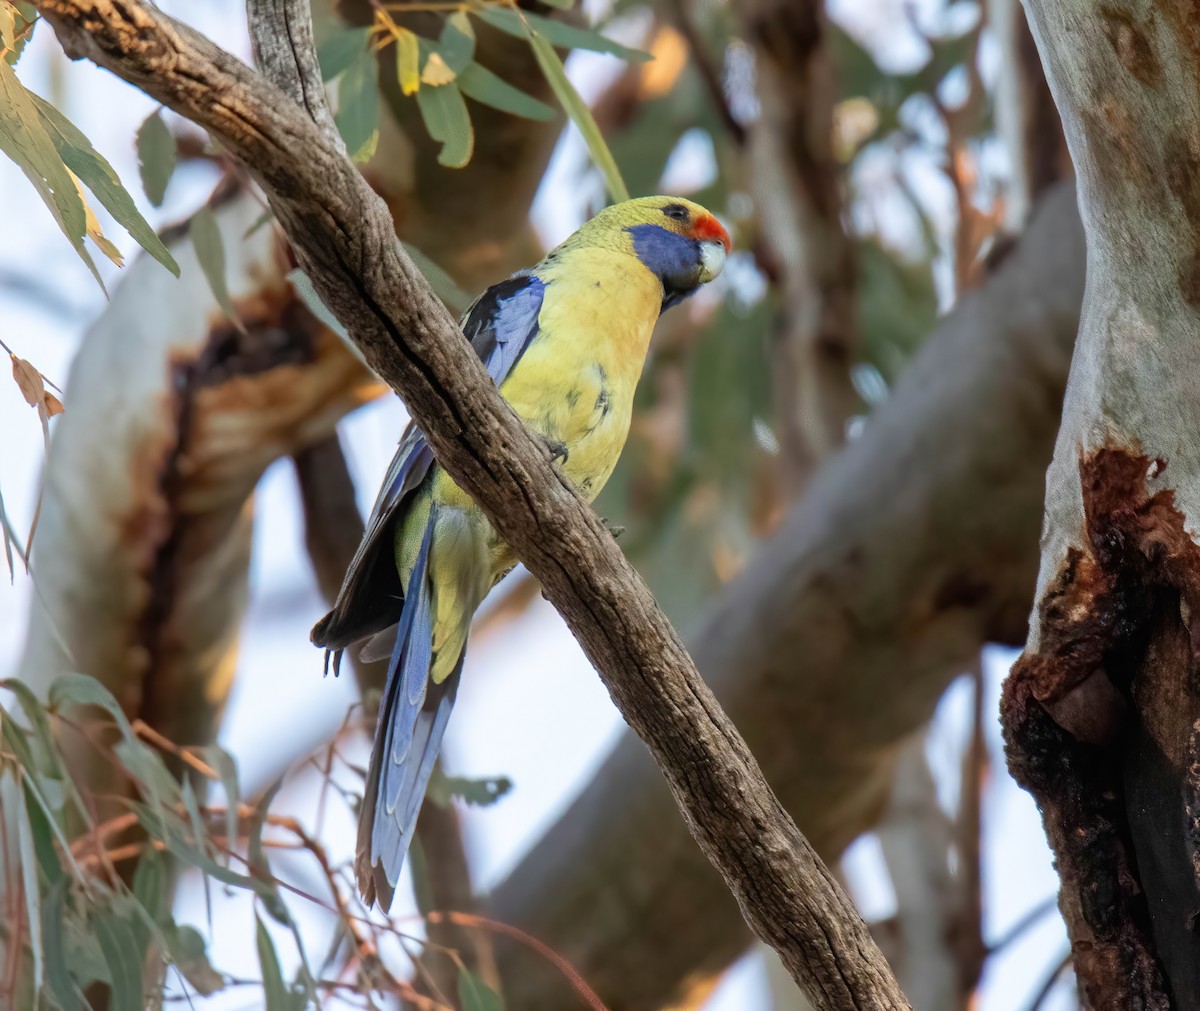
{"points": [[676, 212]]}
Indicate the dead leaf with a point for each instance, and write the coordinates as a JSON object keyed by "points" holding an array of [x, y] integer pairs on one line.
{"points": [[53, 405], [29, 379], [436, 72]]}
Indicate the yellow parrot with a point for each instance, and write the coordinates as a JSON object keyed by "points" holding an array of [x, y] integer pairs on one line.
{"points": [[566, 342]]}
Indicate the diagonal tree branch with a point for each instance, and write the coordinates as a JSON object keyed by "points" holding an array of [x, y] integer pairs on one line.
{"points": [[343, 237]]}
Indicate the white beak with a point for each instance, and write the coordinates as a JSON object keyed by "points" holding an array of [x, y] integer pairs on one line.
{"points": [[712, 260]]}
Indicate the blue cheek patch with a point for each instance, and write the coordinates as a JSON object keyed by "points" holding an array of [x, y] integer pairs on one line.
{"points": [[672, 257]]}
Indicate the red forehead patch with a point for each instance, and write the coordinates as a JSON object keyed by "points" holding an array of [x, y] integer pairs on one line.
{"points": [[707, 227]]}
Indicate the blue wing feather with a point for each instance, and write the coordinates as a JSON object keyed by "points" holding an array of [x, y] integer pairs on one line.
{"points": [[500, 325]]}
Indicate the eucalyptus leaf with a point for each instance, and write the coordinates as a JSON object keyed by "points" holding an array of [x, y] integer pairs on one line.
{"points": [[226, 767], [579, 113], [64, 991], [457, 42], [25, 139], [157, 155], [210, 251], [446, 118], [98, 175], [275, 992], [10, 791], [477, 792], [408, 61], [357, 115], [506, 19], [474, 994], [125, 958], [342, 48], [477, 82], [189, 954]]}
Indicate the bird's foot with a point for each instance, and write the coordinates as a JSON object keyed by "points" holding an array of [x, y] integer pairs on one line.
{"points": [[612, 528], [558, 450]]}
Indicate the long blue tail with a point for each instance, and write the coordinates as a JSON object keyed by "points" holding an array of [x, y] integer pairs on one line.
{"points": [[408, 736]]}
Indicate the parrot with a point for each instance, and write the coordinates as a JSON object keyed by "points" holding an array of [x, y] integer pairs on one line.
{"points": [[565, 341]]}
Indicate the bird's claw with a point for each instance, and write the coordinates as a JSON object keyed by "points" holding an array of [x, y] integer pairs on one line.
{"points": [[612, 528], [558, 450]]}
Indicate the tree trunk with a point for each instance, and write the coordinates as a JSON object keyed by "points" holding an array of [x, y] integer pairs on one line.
{"points": [[909, 551], [1102, 713]]}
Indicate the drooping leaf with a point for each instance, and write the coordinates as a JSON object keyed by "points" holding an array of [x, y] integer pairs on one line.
{"points": [[199, 837], [8, 20], [25, 139], [478, 792], [157, 155], [477, 82], [87, 691], [11, 542], [98, 176], [340, 49], [579, 113], [446, 118], [189, 953], [408, 61], [275, 991], [150, 885], [94, 231], [210, 251], [27, 853], [475, 995], [124, 957], [357, 115], [226, 767], [555, 32], [25, 19], [257, 858], [456, 45], [62, 988]]}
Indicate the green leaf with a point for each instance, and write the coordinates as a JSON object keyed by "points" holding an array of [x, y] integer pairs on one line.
{"points": [[23, 25], [358, 106], [478, 792], [29, 876], [8, 20], [274, 990], [579, 114], [189, 954], [63, 989], [555, 32], [25, 139], [256, 857], [157, 154], [199, 837], [210, 251], [448, 122], [226, 767], [479, 83], [124, 957], [341, 49], [457, 41], [98, 176], [10, 541], [150, 885], [79, 689], [475, 995], [562, 5]]}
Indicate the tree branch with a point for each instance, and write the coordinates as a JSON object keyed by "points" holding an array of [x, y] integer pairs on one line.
{"points": [[343, 239]]}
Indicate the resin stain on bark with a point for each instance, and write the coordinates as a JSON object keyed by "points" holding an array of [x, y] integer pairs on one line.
{"points": [[1099, 726]]}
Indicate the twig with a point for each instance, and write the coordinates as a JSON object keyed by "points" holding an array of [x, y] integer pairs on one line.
{"points": [[1043, 993], [344, 239]]}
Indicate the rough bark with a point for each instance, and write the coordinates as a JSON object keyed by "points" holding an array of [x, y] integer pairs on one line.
{"points": [[1101, 712], [797, 184], [344, 239], [909, 550]]}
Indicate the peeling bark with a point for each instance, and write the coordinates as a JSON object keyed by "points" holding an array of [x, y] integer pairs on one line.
{"points": [[1100, 712], [910, 549]]}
